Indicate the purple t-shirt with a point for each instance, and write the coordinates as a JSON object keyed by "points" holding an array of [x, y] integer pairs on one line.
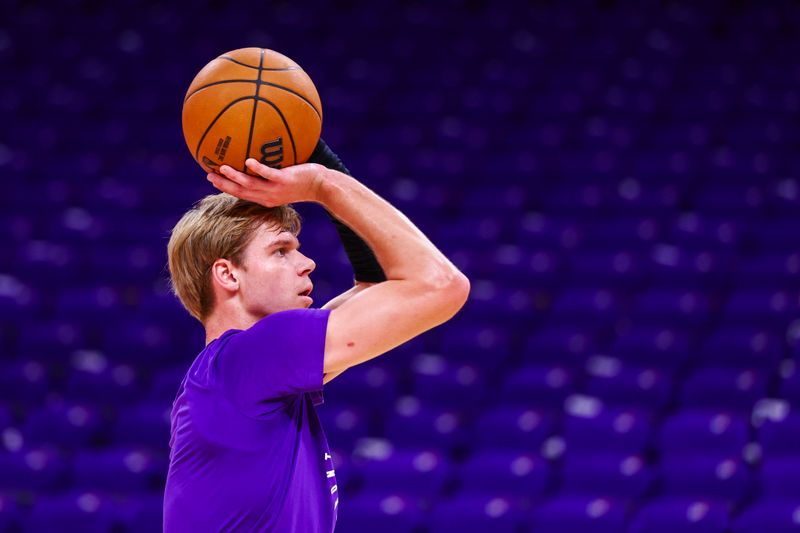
{"points": [[247, 450]]}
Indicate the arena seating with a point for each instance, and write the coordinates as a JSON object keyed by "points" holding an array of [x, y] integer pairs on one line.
{"points": [[619, 180]]}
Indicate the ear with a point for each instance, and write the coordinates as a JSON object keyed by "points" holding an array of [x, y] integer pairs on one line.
{"points": [[223, 274]]}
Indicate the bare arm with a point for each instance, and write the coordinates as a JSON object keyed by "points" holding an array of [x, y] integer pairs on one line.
{"points": [[423, 290], [336, 302]]}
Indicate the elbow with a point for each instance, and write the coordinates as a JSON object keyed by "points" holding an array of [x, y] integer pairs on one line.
{"points": [[454, 288], [461, 288]]}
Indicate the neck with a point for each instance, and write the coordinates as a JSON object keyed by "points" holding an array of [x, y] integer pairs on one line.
{"points": [[223, 319]]}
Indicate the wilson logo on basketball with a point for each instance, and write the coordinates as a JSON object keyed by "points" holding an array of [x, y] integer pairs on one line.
{"points": [[272, 153]]}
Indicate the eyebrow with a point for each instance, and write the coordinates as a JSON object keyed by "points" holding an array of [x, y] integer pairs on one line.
{"points": [[283, 241]]}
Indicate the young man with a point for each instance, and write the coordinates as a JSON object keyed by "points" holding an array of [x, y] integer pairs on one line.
{"points": [[247, 449]]}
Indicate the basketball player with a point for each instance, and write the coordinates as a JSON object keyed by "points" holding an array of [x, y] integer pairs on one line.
{"points": [[247, 449]]}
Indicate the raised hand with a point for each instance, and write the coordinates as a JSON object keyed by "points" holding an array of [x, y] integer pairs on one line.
{"points": [[271, 187]]}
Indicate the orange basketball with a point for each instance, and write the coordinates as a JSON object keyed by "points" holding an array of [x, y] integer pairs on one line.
{"points": [[251, 102]]}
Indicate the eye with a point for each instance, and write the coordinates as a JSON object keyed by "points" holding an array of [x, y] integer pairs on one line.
{"points": [[281, 252]]}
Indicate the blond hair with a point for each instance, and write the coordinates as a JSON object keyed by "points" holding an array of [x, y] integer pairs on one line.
{"points": [[218, 226]]}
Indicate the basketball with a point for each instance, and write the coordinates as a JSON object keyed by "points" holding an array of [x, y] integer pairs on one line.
{"points": [[251, 102]]}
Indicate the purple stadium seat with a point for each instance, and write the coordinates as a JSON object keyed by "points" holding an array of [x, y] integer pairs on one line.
{"points": [[697, 476], [560, 345], [6, 418], [19, 302], [680, 514], [539, 230], [419, 472], [645, 198], [699, 232], [536, 386], [589, 306], [38, 259], [93, 379], [678, 267], [775, 516], [519, 267], [437, 382], [774, 235], [579, 514], [615, 384], [712, 433], [625, 477], [346, 473], [119, 470], [780, 478], [512, 303], [476, 344], [50, 340], [142, 512], [770, 269], [475, 513], [143, 342], [626, 233], [25, 380], [412, 422], [391, 512], [485, 229], [10, 513], [670, 306], [343, 424], [589, 425], [512, 428], [778, 428], [146, 424], [164, 385], [38, 468], [739, 347], [652, 347], [69, 424], [612, 268], [789, 387], [761, 307], [522, 475], [79, 511], [84, 303], [723, 388], [576, 199], [373, 380], [125, 264]]}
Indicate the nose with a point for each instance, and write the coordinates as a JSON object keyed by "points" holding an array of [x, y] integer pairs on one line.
{"points": [[308, 265]]}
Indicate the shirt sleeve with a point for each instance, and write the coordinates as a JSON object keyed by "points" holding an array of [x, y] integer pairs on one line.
{"points": [[277, 358]]}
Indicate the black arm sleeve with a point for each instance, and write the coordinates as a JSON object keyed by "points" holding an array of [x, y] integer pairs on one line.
{"points": [[365, 265]]}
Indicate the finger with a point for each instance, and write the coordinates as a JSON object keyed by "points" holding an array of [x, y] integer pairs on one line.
{"points": [[241, 178], [263, 170], [225, 185]]}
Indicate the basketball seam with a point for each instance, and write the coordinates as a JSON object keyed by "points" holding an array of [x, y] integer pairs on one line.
{"points": [[255, 106], [200, 143], [214, 83], [288, 130], [232, 60], [303, 98]]}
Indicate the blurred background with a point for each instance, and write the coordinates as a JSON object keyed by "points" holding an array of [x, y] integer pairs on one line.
{"points": [[619, 180]]}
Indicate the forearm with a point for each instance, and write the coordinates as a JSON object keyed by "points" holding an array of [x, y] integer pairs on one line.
{"points": [[403, 250], [366, 267]]}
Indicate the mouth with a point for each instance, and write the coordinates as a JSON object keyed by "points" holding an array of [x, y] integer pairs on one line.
{"points": [[307, 291]]}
